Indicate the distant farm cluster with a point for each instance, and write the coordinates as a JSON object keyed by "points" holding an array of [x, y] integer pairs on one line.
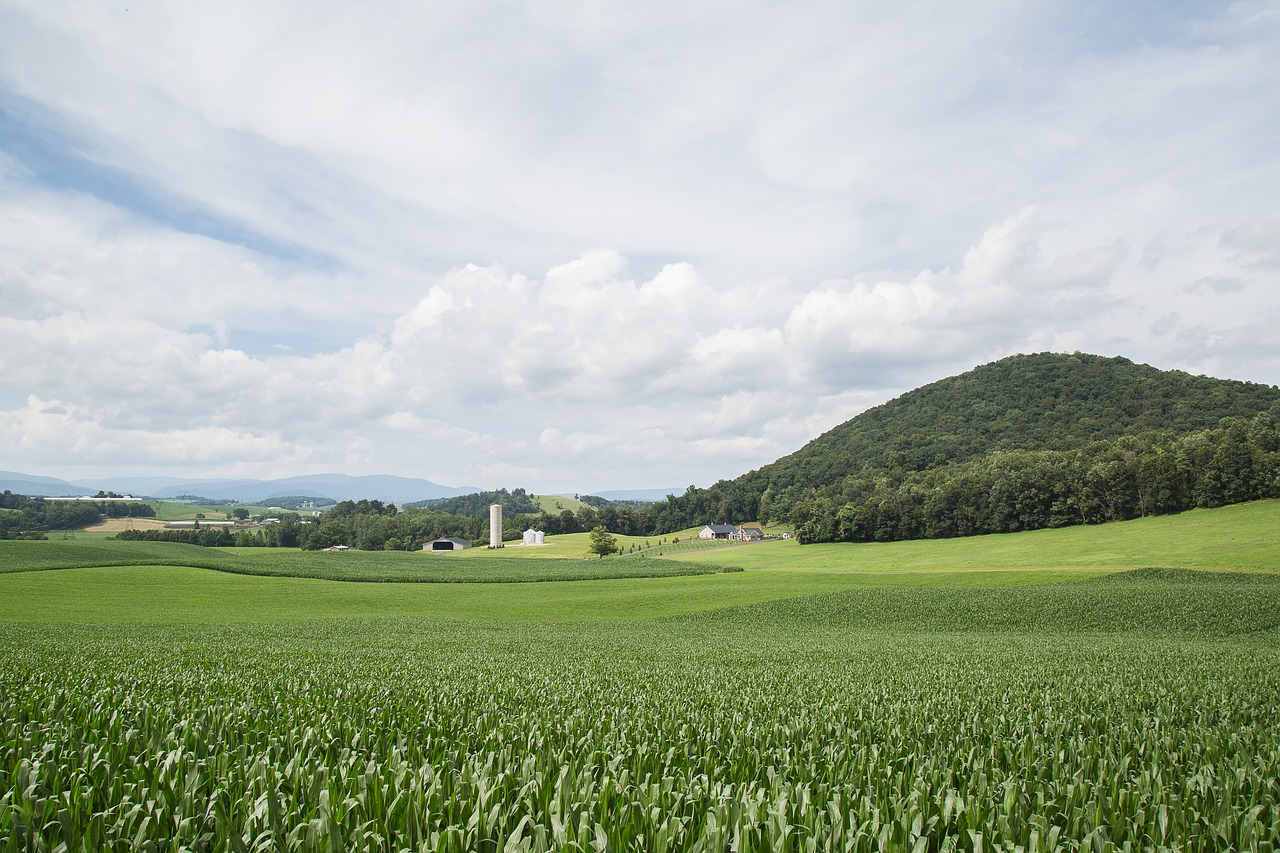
{"points": [[729, 531]]}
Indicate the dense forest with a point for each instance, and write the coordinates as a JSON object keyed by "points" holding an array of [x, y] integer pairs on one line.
{"points": [[27, 518], [1009, 490]]}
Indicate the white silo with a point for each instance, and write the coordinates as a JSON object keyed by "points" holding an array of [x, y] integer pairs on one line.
{"points": [[539, 538], [495, 525]]}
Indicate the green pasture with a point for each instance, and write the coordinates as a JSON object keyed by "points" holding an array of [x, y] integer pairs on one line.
{"points": [[575, 546], [1244, 537], [81, 536], [353, 566], [173, 594], [556, 504], [114, 581], [568, 546], [182, 511]]}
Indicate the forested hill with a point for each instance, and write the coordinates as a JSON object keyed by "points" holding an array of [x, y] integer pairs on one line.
{"points": [[1045, 401], [1074, 408], [513, 503]]}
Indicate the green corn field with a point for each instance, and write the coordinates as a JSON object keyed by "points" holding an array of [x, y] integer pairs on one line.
{"points": [[1136, 711]]}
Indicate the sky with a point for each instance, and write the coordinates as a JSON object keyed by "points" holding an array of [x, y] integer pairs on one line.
{"points": [[578, 246]]}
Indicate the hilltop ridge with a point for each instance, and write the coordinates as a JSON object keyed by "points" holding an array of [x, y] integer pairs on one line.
{"points": [[1058, 411], [1041, 401]]}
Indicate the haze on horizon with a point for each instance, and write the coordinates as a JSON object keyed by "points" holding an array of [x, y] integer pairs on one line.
{"points": [[576, 248]]}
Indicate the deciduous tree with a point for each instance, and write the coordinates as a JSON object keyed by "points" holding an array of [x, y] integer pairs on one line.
{"points": [[601, 542]]}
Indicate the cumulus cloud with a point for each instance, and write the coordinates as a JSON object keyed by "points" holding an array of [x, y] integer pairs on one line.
{"points": [[46, 431], [642, 246], [587, 369]]}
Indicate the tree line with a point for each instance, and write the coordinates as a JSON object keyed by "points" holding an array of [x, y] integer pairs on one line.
{"points": [[514, 502], [1010, 490], [371, 525]]}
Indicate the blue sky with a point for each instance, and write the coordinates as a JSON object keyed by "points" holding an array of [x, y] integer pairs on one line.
{"points": [[566, 246]]}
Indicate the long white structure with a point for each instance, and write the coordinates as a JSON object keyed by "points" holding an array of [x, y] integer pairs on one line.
{"points": [[495, 525]]}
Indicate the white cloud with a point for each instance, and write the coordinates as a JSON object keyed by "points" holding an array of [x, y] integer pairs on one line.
{"points": [[586, 369], [301, 237], [47, 432]]}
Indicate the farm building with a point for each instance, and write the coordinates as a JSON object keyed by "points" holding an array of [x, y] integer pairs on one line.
{"points": [[196, 525], [748, 534], [535, 537], [448, 543], [717, 531], [495, 525]]}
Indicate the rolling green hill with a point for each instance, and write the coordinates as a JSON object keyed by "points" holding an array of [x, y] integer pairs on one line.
{"points": [[1030, 441], [1045, 401], [1243, 537]]}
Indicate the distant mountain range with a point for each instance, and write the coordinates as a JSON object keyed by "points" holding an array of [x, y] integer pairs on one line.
{"points": [[338, 487]]}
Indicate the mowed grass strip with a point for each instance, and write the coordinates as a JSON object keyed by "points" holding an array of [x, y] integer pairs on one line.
{"points": [[124, 594], [1244, 537]]}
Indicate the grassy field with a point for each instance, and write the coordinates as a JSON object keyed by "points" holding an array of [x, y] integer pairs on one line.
{"points": [[182, 511], [354, 566], [575, 546], [1241, 537], [555, 504], [1056, 702], [125, 594]]}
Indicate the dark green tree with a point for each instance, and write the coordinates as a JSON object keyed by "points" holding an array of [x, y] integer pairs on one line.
{"points": [[601, 542]]}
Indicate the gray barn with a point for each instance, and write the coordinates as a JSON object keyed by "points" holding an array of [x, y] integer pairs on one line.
{"points": [[448, 543]]}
